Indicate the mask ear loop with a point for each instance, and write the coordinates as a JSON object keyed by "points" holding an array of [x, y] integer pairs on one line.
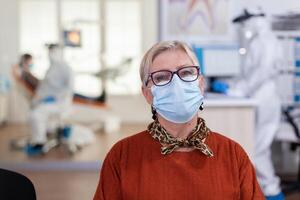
{"points": [[201, 107], [153, 111]]}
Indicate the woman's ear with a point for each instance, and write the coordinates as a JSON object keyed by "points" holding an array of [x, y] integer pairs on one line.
{"points": [[201, 83], [147, 94]]}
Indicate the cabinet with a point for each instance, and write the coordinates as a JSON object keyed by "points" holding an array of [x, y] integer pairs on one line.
{"points": [[234, 118]]}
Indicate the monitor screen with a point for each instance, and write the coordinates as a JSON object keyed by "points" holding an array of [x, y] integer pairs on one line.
{"points": [[218, 60], [72, 38]]}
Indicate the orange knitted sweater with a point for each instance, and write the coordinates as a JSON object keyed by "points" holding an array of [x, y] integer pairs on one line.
{"points": [[134, 169]]}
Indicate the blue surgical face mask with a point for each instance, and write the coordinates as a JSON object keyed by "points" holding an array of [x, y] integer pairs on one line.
{"points": [[178, 101], [30, 66]]}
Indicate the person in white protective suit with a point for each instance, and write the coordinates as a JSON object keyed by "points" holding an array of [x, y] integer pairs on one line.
{"points": [[52, 99], [262, 60]]}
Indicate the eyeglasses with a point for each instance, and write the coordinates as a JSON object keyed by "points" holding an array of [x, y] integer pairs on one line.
{"points": [[163, 77]]}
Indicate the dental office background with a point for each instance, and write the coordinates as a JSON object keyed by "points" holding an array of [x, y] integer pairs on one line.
{"points": [[104, 42]]}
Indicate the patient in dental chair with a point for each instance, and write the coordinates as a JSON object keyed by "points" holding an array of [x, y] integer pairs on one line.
{"points": [[23, 71], [48, 105]]}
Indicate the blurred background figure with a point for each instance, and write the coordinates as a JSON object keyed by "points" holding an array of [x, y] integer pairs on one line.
{"points": [[262, 58], [52, 99], [25, 65], [26, 62]]}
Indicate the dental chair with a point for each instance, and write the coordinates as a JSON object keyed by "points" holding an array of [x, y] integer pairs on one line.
{"points": [[84, 111], [59, 124]]}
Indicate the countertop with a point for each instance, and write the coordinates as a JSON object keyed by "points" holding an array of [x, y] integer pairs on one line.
{"points": [[221, 100]]}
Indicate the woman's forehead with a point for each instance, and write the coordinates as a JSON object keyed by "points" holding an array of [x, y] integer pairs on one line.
{"points": [[170, 60]]}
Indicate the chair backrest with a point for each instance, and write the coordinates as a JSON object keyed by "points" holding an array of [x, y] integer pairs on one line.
{"points": [[289, 129], [21, 85], [15, 186], [286, 133], [28, 92]]}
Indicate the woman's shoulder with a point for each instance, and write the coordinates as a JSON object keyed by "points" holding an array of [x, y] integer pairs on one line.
{"points": [[223, 145], [135, 139], [220, 139], [133, 143]]}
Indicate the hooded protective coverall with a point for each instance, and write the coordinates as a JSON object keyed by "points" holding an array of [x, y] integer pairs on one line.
{"points": [[261, 64], [53, 97]]}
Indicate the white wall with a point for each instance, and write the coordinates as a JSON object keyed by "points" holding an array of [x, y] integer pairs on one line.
{"points": [[150, 17], [9, 34], [9, 52]]}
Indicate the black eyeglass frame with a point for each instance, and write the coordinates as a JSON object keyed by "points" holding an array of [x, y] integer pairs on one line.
{"points": [[150, 76]]}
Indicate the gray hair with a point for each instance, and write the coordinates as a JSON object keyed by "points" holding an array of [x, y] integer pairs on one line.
{"points": [[159, 48]]}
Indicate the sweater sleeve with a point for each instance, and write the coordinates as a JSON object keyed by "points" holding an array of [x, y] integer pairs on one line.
{"points": [[249, 187], [109, 186]]}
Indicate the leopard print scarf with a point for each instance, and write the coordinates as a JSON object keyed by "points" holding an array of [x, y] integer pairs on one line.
{"points": [[170, 143]]}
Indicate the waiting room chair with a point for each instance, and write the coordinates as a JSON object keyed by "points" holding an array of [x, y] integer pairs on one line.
{"points": [[15, 186]]}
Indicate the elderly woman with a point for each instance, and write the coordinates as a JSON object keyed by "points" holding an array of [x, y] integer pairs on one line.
{"points": [[178, 156]]}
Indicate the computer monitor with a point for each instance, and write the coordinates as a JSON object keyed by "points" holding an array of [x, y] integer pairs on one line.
{"points": [[218, 60], [72, 38]]}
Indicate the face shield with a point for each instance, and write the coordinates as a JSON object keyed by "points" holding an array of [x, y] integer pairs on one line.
{"points": [[244, 37], [247, 32], [249, 25]]}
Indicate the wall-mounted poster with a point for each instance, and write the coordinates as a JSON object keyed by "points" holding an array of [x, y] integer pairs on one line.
{"points": [[194, 20]]}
